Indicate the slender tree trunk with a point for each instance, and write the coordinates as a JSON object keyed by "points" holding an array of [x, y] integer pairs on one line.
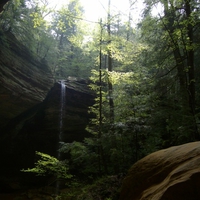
{"points": [[190, 56], [100, 103], [61, 41], [110, 89], [101, 157], [190, 65], [110, 86]]}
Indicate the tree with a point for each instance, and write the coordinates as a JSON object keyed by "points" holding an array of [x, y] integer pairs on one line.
{"points": [[68, 30], [174, 29], [26, 21], [110, 68], [47, 164], [112, 142]]}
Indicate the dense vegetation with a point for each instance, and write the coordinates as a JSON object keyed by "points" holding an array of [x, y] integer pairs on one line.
{"points": [[146, 77]]}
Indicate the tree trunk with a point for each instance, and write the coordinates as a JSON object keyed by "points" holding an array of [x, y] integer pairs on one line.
{"points": [[190, 65], [185, 69], [101, 157], [110, 86]]}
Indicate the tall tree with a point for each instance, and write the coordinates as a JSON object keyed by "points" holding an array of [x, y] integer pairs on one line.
{"points": [[110, 68], [175, 29], [69, 34]]}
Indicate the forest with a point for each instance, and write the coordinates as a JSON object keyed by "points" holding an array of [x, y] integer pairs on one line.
{"points": [[145, 76]]}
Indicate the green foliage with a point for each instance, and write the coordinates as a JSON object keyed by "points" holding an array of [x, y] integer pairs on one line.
{"points": [[120, 144], [47, 164], [170, 37], [58, 42], [153, 73], [72, 57], [105, 188], [82, 154]]}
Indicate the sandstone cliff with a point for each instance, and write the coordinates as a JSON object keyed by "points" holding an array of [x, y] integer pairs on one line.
{"points": [[30, 109], [38, 128], [24, 79]]}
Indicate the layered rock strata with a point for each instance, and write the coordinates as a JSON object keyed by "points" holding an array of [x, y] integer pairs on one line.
{"points": [[24, 79], [38, 128]]}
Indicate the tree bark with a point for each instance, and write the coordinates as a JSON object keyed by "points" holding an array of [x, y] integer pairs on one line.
{"points": [[184, 63], [190, 64], [110, 86]]}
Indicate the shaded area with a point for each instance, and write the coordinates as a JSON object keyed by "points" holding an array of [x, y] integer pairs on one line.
{"points": [[24, 79], [37, 129], [2, 3]]}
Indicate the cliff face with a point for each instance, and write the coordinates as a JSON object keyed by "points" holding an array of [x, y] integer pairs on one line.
{"points": [[30, 109], [39, 128], [24, 79]]}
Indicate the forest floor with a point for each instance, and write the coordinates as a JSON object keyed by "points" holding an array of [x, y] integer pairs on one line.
{"points": [[104, 188]]}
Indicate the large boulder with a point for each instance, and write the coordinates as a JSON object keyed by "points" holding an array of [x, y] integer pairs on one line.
{"points": [[169, 174]]}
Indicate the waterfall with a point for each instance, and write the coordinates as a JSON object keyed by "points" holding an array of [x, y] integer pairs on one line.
{"points": [[61, 123], [62, 113]]}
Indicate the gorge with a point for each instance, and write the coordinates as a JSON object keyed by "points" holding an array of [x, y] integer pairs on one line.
{"points": [[111, 98]]}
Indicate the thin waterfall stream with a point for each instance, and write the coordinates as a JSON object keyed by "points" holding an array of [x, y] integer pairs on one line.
{"points": [[61, 125], [62, 114]]}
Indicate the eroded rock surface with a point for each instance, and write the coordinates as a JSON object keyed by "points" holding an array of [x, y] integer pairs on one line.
{"points": [[169, 174], [30, 110], [24, 79], [38, 128]]}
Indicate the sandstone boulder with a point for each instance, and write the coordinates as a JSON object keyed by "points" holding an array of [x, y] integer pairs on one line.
{"points": [[169, 174]]}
